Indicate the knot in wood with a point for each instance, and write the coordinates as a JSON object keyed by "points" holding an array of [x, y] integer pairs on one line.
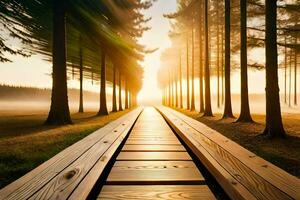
{"points": [[70, 174]]}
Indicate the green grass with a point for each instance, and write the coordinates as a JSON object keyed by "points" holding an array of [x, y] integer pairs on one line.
{"points": [[20, 153]]}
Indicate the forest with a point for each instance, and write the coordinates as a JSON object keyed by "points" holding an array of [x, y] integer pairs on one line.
{"points": [[214, 38], [90, 40], [188, 92]]}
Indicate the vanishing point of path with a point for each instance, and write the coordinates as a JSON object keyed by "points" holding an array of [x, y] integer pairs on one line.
{"points": [[153, 164]]}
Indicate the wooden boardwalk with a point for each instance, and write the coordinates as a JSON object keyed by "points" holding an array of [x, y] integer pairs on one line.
{"points": [[138, 156], [154, 165]]}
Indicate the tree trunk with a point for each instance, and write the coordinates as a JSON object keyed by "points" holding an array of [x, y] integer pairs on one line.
{"points": [[130, 98], [126, 94], [103, 106], [187, 73], [274, 126], [208, 110], [180, 80], [80, 81], [245, 109], [295, 78], [285, 69], [120, 91], [193, 72], [218, 56], [201, 60], [59, 113], [290, 77], [169, 88], [176, 88], [227, 107], [114, 100], [222, 66], [172, 88]]}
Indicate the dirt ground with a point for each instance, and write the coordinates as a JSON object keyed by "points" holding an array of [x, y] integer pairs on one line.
{"points": [[285, 153]]}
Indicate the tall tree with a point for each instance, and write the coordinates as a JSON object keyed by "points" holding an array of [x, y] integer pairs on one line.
{"points": [[187, 73], [201, 103], [126, 94], [59, 110], [295, 76], [218, 53], [103, 105], [285, 68], [290, 78], [114, 93], [245, 109], [180, 80], [193, 70], [80, 80], [274, 126], [207, 110], [120, 91], [227, 107], [176, 87]]}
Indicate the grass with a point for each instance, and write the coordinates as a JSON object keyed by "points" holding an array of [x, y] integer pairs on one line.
{"points": [[25, 143], [284, 153]]}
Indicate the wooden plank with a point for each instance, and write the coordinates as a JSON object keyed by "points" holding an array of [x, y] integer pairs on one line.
{"points": [[173, 156], [154, 137], [159, 142], [39, 178], [151, 148], [154, 172], [258, 180], [278, 177], [152, 134], [150, 192]]}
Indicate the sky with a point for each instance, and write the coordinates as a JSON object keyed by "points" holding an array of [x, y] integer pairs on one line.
{"points": [[157, 37]]}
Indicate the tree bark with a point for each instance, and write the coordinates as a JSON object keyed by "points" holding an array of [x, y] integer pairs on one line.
{"points": [[201, 109], [130, 98], [172, 89], [176, 88], [169, 88], [103, 106], [274, 126], [80, 81], [218, 56], [59, 113], [245, 109], [187, 73], [180, 80], [285, 69], [227, 107], [290, 78], [193, 72], [114, 100], [222, 66], [126, 94], [120, 91], [207, 110], [295, 78]]}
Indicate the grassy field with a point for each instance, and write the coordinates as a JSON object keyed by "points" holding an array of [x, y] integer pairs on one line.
{"points": [[285, 153], [25, 142]]}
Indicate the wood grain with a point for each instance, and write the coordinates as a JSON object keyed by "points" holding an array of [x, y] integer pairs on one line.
{"points": [[153, 148], [173, 156], [58, 172], [257, 179], [156, 142], [167, 192], [154, 172]]}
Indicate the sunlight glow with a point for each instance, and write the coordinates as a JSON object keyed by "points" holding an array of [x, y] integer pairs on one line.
{"points": [[157, 37]]}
